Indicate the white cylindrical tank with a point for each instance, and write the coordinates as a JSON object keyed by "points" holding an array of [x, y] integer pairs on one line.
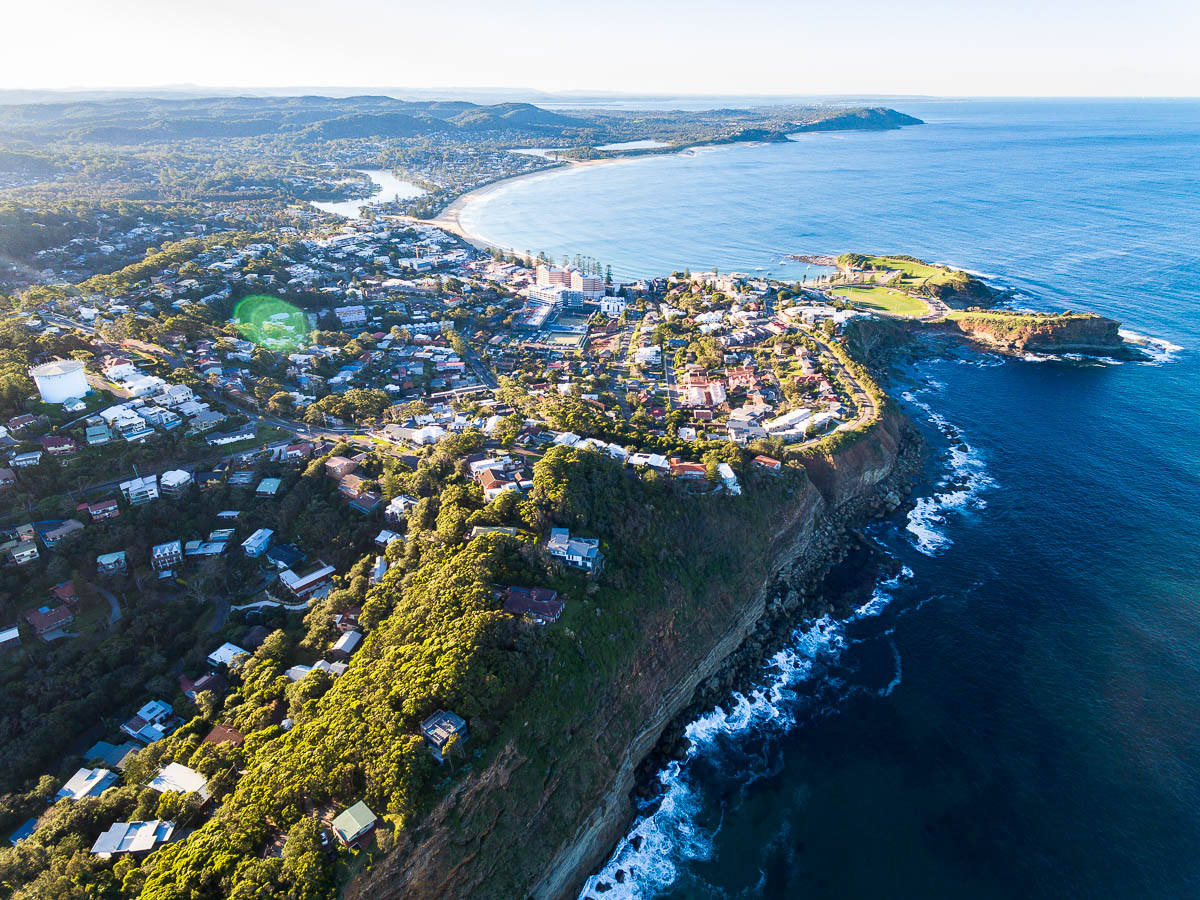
{"points": [[60, 380]]}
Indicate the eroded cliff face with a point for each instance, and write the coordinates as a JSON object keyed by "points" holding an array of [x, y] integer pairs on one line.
{"points": [[525, 828], [1043, 334], [963, 291]]}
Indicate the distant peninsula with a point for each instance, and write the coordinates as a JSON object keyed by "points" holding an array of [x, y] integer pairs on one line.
{"points": [[875, 118]]}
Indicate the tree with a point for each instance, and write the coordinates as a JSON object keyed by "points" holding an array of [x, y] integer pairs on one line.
{"points": [[507, 429], [281, 404]]}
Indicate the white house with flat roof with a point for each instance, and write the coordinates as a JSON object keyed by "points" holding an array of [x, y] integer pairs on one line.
{"points": [[86, 783], [258, 543], [226, 654]]}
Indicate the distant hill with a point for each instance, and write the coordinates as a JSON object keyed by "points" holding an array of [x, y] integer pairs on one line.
{"points": [[875, 118], [142, 120], [133, 121]]}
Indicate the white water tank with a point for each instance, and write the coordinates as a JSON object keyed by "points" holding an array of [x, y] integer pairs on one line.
{"points": [[60, 380]]}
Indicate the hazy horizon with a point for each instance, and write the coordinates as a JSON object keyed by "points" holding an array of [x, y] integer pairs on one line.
{"points": [[935, 49]]}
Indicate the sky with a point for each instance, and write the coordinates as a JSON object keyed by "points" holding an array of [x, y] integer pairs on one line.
{"points": [[932, 47]]}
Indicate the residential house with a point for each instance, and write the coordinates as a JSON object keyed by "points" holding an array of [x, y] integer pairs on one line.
{"points": [[222, 438], [345, 645], [7, 478], [294, 454], [25, 422], [101, 510], [56, 445], [204, 420], [351, 485], [347, 620], [153, 722], [224, 734], [386, 537], [175, 482], [338, 467], [397, 508], [439, 728], [366, 502], [134, 838], [741, 376], [655, 461], [354, 827], [744, 425], [268, 487], [24, 552], [86, 783], [766, 462], [64, 592], [96, 432], [160, 418], [112, 755], [210, 681], [226, 655], [612, 306], [165, 557], [303, 585], [580, 553], [111, 563], [25, 460], [257, 543], [690, 470], [140, 490], [540, 604], [179, 779], [285, 556], [53, 537], [47, 619], [24, 832]]}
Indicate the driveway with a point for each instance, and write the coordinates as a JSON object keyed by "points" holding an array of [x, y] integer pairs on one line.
{"points": [[114, 608]]}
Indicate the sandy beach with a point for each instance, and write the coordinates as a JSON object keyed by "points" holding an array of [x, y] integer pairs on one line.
{"points": [[450, 218]]}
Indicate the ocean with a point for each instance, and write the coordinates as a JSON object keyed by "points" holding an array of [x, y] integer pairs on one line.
{"points": [[1017, 714]]}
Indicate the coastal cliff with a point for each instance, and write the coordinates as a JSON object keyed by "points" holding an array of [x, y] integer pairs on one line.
{"points": [[961, 290], [1017, 332], [546, 808]]}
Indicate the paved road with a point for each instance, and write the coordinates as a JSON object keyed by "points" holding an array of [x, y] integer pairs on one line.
{"points": [[479, 367], [866, 407], [222, 613], [114, 613]]}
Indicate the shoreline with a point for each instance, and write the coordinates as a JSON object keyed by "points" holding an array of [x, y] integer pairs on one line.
{"points": [[450, 218]]}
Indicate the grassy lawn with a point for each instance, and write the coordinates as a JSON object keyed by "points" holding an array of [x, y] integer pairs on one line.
{"points": [[57, 416], [912, 271], [883, 299]]}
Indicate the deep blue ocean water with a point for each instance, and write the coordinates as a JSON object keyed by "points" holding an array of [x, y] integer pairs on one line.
{"points": [[1018, 714]]}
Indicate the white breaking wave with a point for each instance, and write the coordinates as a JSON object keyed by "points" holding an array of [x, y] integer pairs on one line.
{"points": [[647, 859], [982, 360], [1157, 349], [959, 489]]}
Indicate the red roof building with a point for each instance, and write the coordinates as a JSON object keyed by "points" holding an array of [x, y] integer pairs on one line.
{"points": [[540, 604], [45, 619]]}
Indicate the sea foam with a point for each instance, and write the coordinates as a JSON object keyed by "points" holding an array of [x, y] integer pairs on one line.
{"points": [[959, 489], [667, 832], [1158, 350]]}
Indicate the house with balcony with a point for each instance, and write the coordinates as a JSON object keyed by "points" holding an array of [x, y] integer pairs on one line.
{"points": [[577, 552], [166, 557]]}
